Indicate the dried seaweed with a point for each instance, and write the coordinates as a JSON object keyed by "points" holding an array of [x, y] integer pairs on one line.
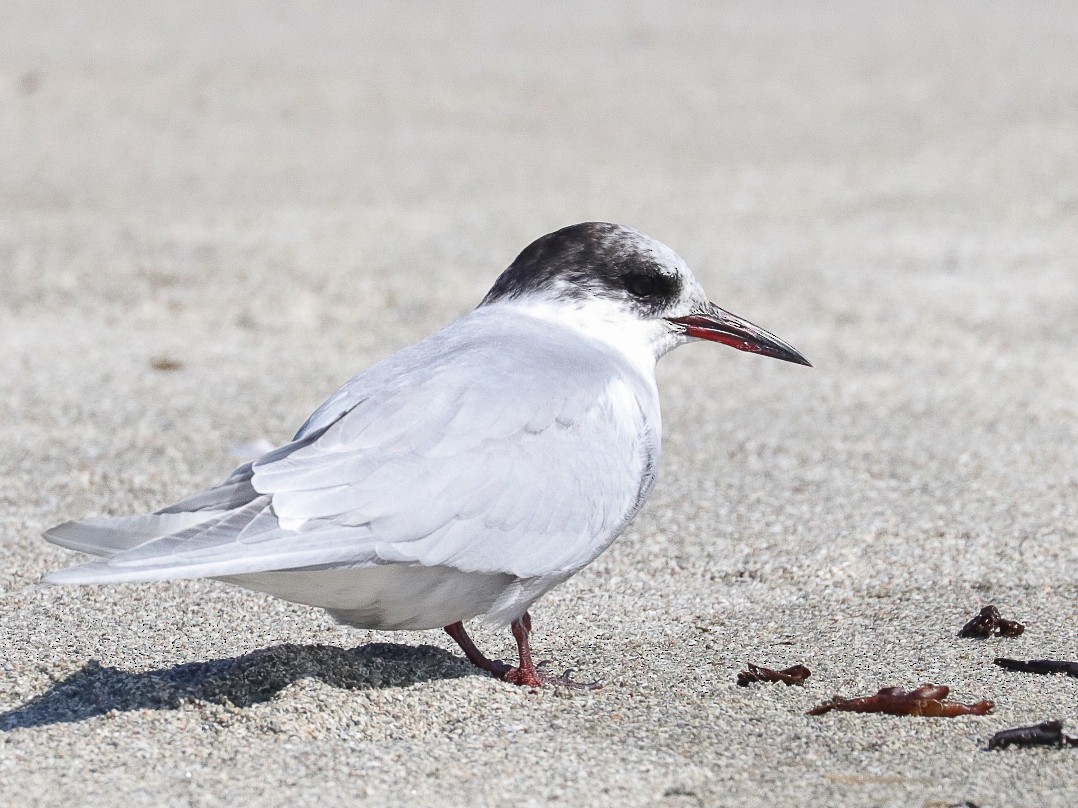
{"points": [[1046, 733], [1039, 666], [795, 675], [988, 622], [927, 700]]}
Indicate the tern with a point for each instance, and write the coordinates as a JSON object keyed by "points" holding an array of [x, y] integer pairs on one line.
{"points": [[465, 476]]}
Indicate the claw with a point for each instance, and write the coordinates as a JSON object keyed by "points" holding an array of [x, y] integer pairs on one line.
{"points": [[565, 681]]}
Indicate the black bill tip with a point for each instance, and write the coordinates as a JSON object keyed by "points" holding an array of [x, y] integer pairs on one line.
{"points": [[718, 325]]}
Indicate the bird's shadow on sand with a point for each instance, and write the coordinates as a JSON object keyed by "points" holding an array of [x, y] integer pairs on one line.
{"points": [[240, 681]]}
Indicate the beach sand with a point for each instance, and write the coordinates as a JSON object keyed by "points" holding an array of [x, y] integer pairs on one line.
{"points": [[211, 215]]}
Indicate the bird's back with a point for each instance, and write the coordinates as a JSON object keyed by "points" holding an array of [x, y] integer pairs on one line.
{"points": [[498, 445]]}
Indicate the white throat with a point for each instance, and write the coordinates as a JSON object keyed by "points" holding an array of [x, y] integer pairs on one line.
{"points": [[641, 342]]}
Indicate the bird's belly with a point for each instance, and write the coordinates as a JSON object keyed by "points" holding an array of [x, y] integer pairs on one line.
{"points": [[385, 597]]}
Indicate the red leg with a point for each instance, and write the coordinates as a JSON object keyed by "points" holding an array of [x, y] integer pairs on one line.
{"points": [[526, 673], [495, 667]]}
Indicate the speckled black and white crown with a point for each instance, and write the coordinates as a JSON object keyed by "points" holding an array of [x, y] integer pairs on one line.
{"points": [[595, 260]]}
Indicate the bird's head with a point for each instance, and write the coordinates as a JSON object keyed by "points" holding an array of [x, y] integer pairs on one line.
{"points": [[619, 285]]}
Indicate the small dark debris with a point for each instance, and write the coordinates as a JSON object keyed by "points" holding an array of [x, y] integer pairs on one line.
{"points": [[987, 622], [927, 700], [165, 363], [1039, 666], [795, 675], [682, 791], [29, 82], [1046, 733], [1009, 628]]}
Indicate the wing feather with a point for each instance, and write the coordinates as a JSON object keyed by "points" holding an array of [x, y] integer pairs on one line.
{"points": [[503, 450]]}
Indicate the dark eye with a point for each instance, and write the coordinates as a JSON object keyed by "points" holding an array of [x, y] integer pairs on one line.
{"points": [[640, 284]]}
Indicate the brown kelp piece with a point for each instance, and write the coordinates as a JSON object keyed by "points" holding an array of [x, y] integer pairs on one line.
{"points": [[927, 700], [795, 675], [1009, 628], [982, 624], [1039, 666], [1046, 733], [166, 363], [989, 621]]}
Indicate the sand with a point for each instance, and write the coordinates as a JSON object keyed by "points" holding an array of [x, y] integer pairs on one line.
{"points": [[213, 214]]}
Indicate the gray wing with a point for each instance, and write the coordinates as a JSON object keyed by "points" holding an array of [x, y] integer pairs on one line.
{"points": [[510, 455]]}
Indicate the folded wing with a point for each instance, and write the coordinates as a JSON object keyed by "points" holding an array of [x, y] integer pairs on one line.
{"points": [[509, 455]]}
